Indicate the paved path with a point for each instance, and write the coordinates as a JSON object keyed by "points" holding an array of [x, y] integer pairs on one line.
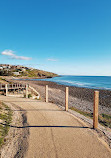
{"points": [[57, 134]]}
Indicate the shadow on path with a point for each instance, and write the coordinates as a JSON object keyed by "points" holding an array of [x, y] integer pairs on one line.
{"points": [[45, 126], [38, 110], [24, 101]]}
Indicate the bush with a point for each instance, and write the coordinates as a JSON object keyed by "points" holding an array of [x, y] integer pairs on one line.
{"points": [[29, 95]]}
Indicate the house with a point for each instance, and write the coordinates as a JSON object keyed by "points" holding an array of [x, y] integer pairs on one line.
{"points": [[13, 67], [4, 67], [1, 68], [16, 73], [23, 70]]}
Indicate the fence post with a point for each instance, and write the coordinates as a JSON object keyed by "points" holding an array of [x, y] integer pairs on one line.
{"points": [[6, 87], [95, 109], [46, 94], [26, 90], [66, 98]]}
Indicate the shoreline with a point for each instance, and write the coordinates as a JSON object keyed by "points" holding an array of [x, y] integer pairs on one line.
{"points": [[80, 98], [58, 83], [72, 89], [25, 78]]}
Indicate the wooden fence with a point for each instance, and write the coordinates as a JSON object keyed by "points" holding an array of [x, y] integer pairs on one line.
{"points": [[95, 106], [12, 86], [16, 86]]}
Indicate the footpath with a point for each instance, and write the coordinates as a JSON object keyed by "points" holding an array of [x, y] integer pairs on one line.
{"points": [[54, 133]]}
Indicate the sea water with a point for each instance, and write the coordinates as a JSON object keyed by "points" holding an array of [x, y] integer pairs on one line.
{"points": [[96, 82]]}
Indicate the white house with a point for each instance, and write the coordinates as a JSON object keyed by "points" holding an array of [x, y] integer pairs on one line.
{"points": [[1, 68], [16, 73]]}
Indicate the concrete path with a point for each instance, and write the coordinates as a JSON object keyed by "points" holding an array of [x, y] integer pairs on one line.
{"points": [[57, 134]]}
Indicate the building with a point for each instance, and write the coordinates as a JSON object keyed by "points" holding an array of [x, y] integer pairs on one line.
{"points": [[16, 73]]}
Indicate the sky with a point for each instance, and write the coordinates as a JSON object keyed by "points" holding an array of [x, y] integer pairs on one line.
{"points": [[68, 37]]}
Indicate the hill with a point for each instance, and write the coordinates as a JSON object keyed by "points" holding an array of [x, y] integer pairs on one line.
{"points": [[21, 71]]}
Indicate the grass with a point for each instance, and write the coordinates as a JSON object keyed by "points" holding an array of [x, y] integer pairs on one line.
{"points": [[6, 118], [37, 73], [103, 119], [2, 80], [29, 95]]}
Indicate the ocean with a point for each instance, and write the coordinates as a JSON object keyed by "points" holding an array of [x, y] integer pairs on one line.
{"points": [[95, 82]]}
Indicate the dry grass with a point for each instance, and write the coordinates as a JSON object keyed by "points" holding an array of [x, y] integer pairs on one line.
{"points": [[5, 120], [38, 73], [2, 80], [104, 119]]}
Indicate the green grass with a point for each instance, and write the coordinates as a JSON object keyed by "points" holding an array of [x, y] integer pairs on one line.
{"points": [[6, 117], [29, 95], [87, 114], [103, 119]]}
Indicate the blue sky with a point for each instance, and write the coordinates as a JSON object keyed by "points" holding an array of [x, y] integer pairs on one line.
{"points": [[63, 36]]}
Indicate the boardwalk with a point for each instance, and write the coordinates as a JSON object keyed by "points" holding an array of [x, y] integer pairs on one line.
{"points": [[57, 134]]}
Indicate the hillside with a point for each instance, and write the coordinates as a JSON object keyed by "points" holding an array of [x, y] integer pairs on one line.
{"points": [[21, 71], [38, 73]]}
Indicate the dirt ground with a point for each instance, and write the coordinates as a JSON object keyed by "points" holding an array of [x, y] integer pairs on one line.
{"points": [[16, 141]]}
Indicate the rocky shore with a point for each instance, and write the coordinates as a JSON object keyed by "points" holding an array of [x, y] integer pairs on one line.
{"points": [[80, 98]]}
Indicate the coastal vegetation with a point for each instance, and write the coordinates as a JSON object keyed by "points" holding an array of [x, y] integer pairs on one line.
{"points": [[37, 73], [5, 120], [104, 119]]}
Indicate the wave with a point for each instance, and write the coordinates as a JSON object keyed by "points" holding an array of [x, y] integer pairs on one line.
{"points": [[82, 81], [73, 82], [80, 84]]}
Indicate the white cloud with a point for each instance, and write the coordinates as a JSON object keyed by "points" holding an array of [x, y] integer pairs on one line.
{"points": [[14, 56], [52, 59], [8, 52]]}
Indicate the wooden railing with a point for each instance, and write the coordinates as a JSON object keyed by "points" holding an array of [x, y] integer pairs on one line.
{"points": [[12, 86], [16, 86]]}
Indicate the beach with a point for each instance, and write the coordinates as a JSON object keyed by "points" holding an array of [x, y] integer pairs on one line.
{"points": [[80, 98]]}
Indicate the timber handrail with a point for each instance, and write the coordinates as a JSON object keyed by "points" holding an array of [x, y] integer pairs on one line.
{"points": [[12, 86]]}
